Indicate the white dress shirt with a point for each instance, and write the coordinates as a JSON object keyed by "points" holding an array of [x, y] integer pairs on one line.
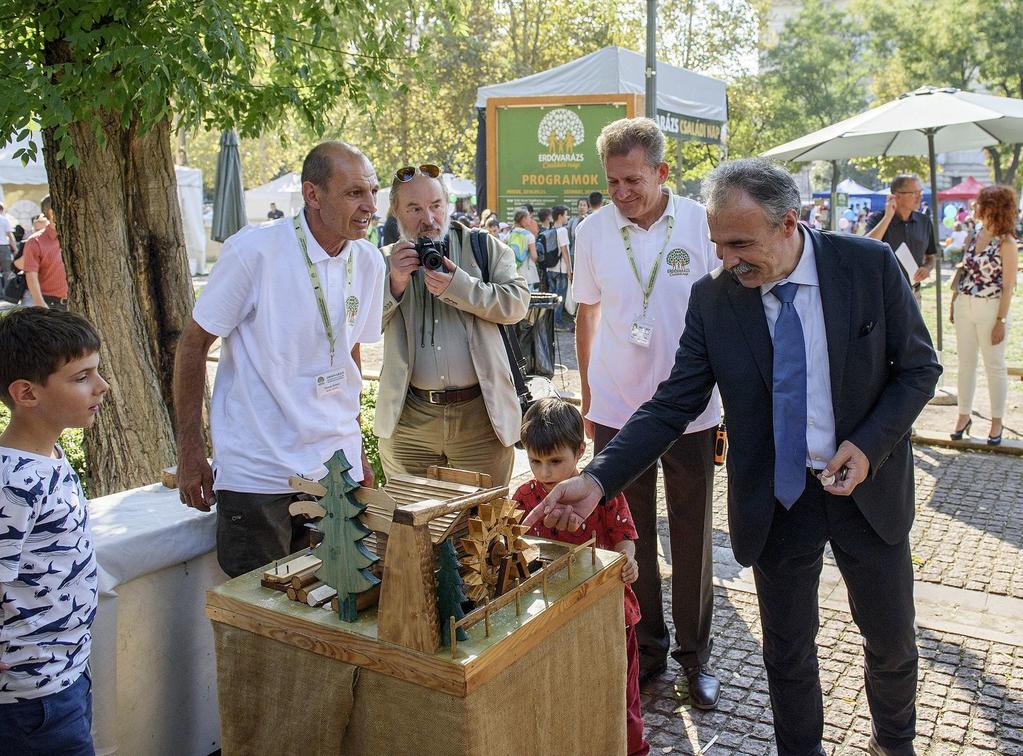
{"points": [[820, 412]]}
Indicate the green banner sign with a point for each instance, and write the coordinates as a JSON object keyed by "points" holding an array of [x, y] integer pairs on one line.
{"points": [[691, 129], [547, 155]]}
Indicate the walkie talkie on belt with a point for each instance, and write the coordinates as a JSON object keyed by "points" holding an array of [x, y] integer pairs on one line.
{"points": [[720, 444]]}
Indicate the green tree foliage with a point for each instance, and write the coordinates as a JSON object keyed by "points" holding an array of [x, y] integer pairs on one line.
{"points": [[450, 592], [815, 72], [967, 44], [104, 80]]}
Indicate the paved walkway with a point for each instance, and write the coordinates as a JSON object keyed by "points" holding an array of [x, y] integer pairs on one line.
{"points": [[968, 557]]}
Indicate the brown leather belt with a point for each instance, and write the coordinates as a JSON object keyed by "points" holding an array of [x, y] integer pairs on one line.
{"points": [[451, 396]]}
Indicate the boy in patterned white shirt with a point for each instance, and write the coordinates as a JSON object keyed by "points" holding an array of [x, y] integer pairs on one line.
{"points": [[48, 573]]}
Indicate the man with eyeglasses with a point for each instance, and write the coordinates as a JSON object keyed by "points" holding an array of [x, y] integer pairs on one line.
{"points": [[446, 393], [902, 223]]}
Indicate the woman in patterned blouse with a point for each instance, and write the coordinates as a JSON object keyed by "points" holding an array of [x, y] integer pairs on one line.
{"points": [[980, 306]]}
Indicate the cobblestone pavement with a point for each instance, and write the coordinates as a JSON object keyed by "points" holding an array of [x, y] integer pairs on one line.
{"points": [[970, 697], [968, 531]]}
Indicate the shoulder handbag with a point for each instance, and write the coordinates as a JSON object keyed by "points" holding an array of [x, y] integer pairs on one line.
{"points": [[15, 289], [478, 242]]}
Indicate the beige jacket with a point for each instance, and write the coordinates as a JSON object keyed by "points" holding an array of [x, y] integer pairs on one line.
{"points": [[504, 300]]}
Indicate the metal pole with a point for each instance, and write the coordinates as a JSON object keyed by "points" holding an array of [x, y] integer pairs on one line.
{"points": [[934, 231], [834, 196], [651, 59]]}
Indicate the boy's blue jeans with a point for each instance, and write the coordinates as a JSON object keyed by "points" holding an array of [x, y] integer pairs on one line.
{"points": [[557, 283], [58, 723]]}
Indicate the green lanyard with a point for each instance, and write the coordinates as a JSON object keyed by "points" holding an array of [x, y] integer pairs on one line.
{"points": [[657, 263], [314, 279]]}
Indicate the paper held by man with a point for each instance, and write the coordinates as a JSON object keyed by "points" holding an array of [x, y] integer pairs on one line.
{"points": [[905, 258]]}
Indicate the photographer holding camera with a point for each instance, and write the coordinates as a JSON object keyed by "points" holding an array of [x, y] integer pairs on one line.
{"points": [[446, 392]]}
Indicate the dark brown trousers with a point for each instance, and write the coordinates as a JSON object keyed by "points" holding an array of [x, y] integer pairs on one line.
{"points": [[688, 483]]}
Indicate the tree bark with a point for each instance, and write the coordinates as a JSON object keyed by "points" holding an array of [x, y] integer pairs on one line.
{"points": [[120, 230]]}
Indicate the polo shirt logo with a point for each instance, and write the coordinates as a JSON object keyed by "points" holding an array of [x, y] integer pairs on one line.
{"points": [[678, 262], [352, 309]]}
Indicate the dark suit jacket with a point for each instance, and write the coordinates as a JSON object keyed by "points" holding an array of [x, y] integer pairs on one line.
{"points": [[883, 371]]}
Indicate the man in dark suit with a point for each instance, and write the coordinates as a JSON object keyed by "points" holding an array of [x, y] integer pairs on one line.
{"points": [[823, 363]]}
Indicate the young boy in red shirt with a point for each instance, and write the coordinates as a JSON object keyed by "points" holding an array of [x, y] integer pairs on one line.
{"points": [[552, 435]]}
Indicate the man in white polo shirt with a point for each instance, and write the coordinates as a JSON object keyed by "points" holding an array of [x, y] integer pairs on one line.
{"points": [[292, 300], [635, 263]]}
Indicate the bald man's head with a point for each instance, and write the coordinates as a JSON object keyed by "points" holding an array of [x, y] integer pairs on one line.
{"points": [[322, 160]]}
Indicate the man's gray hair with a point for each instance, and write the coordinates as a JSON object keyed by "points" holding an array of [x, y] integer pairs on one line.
{"points": [[766, 183], [626, 134], [397, 184], [900, 181]]}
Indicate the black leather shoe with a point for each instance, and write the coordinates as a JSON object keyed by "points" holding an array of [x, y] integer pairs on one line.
{"points": [[649, 671], [704, 688], [876, 749]]}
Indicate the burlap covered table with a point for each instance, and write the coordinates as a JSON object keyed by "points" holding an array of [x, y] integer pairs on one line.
{"points": [[551, 681]]}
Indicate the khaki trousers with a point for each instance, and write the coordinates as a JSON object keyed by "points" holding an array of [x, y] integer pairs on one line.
{"points": [[450, 435]]}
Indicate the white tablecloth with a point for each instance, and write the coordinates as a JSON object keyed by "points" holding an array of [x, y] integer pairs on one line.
{"points": [[154, 670]]}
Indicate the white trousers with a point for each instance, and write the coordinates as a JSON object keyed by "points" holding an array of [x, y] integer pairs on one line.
{"points": [[975, 317]]}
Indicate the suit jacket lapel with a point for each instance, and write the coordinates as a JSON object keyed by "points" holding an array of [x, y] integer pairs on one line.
{"points": [[836, 301], [749, 311]]}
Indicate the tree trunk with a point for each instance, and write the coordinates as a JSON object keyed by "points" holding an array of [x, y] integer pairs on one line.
{"points": [[120, 230]]}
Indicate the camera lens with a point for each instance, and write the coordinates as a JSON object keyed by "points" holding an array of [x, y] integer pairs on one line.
{"points": [[433, 260]]}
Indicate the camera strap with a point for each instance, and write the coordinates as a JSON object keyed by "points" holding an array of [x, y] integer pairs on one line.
{"points": [[478, 244]]}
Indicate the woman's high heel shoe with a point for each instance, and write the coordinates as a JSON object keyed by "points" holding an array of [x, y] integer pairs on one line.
{"points": [[994, 440], [958, 435]]}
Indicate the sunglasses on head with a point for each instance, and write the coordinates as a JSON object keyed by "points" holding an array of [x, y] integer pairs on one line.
{"points": [[406, 173]]}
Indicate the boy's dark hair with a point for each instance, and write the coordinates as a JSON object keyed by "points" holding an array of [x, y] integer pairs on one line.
{"points": [[550, 424], [596, 200], [36, 342]]}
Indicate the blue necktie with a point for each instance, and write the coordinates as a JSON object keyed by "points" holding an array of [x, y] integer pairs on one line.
{"points": [[789, 399]]}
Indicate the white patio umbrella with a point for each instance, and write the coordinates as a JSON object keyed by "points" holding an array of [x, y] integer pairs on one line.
{"points": [[923, 122]]}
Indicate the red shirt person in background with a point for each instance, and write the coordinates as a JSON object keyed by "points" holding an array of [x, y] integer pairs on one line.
{"points": [[45, 275]]}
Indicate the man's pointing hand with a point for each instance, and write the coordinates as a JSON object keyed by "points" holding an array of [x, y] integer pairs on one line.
{"points": [[568, 505]]}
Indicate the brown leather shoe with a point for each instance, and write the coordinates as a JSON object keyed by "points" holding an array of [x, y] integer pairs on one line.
{"points": [[704, 688]]}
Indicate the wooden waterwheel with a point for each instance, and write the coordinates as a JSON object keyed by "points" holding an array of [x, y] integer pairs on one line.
{"points": [[495, 550]]}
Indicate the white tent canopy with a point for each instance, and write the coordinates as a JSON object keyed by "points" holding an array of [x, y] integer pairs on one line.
{"points": [[285, 192], [11, 169], [850, 187], [190, 194], [615, 70]]}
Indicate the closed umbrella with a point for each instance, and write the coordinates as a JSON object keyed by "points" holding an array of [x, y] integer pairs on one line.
{"points": [[923, 122], [228, 195]]}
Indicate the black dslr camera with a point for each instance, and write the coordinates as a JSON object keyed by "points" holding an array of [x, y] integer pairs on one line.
{"points": [[431, 253]]}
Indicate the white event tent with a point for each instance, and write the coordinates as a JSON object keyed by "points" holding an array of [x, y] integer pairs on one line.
{"points": [[14, 175]]}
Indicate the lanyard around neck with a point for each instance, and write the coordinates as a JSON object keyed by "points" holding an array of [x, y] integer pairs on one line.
{"points": [[627, 241], [314, 279]]}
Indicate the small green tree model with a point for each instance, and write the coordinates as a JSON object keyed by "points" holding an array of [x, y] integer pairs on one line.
{"points": [[345, 558], [449, 592]]}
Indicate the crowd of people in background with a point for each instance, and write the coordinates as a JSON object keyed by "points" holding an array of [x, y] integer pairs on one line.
{"points": [[31, 265]]}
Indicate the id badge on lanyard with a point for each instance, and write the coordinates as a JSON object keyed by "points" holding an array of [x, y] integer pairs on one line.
{"points": [[332, 381], [642, 329]]}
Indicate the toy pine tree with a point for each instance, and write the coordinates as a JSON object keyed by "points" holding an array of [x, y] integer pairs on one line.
{"points": [[449, 592], [345, 558]]}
